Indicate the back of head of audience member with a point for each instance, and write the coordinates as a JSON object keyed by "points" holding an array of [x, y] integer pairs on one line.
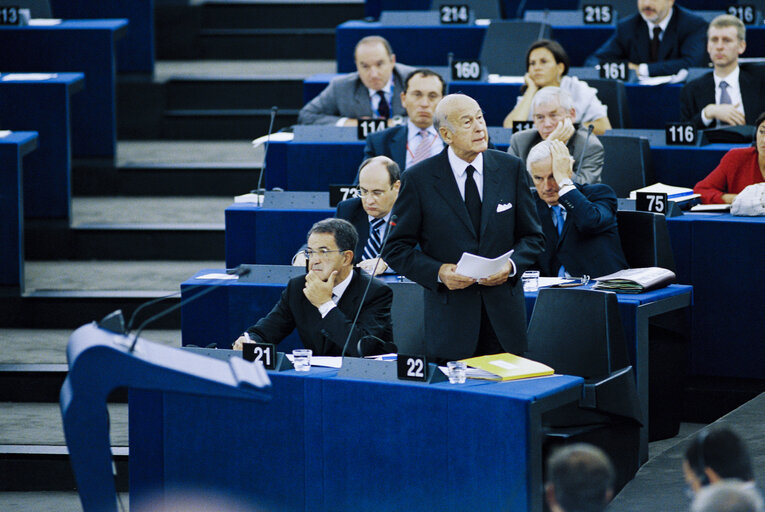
{"points": [[550, 106], [423, 90], [714, 455], [726, 40], [580, 478], [728, 496], [374, 61]]}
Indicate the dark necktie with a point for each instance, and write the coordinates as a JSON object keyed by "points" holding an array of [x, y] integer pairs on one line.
{"points": [[374, 243], [383, 108], [559, 221], [724, 99], [655, 44], [473, 199]]}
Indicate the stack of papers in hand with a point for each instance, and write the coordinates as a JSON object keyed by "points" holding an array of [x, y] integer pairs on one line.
{"points": [[478, 267], [636, 280], [503, 367]]}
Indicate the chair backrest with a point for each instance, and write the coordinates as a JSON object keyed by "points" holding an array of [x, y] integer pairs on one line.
{"points": [[488, 9], [407, 312], [627, 163], [505, 44], [613, 95], [645, 239], [577, 332]]}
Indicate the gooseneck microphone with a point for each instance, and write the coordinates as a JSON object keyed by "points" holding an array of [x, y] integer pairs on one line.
{"points": [[260, 190], [240, 271], [584, 147], [391, 225]]}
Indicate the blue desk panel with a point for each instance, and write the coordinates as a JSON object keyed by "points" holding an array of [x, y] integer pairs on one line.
{"points": [[135, 52], [722, 256], [429, 45], [13, 147], [335, 444], [43, 106], [312, 166], [85, 46]]}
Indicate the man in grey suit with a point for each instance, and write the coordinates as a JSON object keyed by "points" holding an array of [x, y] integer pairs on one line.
{"points": [[553, 116], [372, 91], [466, 199]]}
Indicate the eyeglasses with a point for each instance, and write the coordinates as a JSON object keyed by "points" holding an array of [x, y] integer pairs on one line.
{"points": [[321, 253], [362, 192]]}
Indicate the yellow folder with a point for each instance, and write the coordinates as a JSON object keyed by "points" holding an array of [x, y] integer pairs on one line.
{"points": [[505, 366]]}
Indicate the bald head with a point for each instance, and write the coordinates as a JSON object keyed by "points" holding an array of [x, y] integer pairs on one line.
{"points": [[459, 120]]}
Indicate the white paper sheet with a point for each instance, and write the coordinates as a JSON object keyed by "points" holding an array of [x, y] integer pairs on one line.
{"points": [[478, 267]]}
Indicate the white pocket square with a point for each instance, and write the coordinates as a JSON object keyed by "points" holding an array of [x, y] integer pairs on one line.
{"points": [[502, 207]]}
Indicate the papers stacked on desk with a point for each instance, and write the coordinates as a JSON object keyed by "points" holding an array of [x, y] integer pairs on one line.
{"points": [[505, 366], [635, 280]]}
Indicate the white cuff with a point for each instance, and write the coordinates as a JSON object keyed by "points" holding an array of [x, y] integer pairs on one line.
{"points": [[341, 121], [325, 308], [513, 270], [705, 119], [643, 70]]}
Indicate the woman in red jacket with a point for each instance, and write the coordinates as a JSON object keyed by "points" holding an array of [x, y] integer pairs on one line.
{"points": [[738, 169]]}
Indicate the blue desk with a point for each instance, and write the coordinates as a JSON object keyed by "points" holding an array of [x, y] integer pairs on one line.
{"points": [[43, 106], [135, 52], [13, 147], [85, 46], [324, 443], [433, 43], [722, 256]]}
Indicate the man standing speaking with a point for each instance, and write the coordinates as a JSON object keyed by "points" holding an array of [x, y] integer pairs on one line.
{"points": [[466, 199]]}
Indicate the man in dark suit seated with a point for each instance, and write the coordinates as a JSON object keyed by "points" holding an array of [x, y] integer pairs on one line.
{"points": [[466, 199], [323, 303], [417, 139], [370, 213], [728, 95], [372, 91], [661, 39], [553, 114], [579, 221]]}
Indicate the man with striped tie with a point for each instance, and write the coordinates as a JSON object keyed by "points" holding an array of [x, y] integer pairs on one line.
{"points": [[416, 139], [379, 182]]}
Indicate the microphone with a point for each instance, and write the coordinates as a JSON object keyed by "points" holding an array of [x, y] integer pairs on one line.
{"points": [[240, 271], [584, 147], [258, 190], [521, 9], [542, 24], [391, 225]]}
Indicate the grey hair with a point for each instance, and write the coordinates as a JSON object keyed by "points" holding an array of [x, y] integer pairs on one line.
{"points": [[728, 496], [547, 94], [538, 152]]}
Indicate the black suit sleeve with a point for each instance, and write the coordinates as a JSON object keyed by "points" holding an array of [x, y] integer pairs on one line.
{"points": [[529, 239], [593, 213], [277, 324], [692, 40], [689, 110], [374, 320]]}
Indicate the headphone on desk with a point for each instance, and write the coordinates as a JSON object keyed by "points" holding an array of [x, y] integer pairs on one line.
{"points": [[700, 462]]}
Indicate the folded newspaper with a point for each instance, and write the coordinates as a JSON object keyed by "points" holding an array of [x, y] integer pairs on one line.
{"points": [[636, 280]]}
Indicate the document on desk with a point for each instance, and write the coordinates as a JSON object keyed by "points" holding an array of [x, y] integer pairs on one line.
{"points": [[478, 267]]}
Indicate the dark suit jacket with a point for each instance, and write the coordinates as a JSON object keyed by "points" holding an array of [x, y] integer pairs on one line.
{"points": [[346, 96], [431, 212], [682, 46], [326, 336], [699, 93], [352, 211], [589, 243], [390, 143]]}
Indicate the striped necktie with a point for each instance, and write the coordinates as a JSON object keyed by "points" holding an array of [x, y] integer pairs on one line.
{"points": [[423, 148], [372, 249]]}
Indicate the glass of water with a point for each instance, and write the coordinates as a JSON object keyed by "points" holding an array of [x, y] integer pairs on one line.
{"points": [[457, 371], [301, 359], [530, 280]]}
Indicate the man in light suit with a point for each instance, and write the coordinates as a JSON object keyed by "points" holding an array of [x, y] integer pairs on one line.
{"points": [[661, 39], [372, 91], [553, 116], [579, 221], [729, 95], [378, 189], [322, 304], [466, 199], [417, 139]]}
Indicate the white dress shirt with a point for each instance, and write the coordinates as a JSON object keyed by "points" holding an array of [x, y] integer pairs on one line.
{"points": [[414, 140], [459, 167], [734, 91], [643, 68], [337, 292]]}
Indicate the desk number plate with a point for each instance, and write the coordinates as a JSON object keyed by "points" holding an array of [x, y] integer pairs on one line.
{"points": [[745, 13], [451, 14], [369, 126], [518, 126], [9, 15], [597, 14], [466, 70], [614, 70], [412, 367], [651, 202], [339, 193], [262, 352], [681, 134]]}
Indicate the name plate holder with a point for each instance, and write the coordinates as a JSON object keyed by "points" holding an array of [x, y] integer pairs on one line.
{"points": [[282, 362], [370, 369]]}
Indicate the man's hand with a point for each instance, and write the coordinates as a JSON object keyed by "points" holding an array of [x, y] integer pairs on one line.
{"points": [[498, 278], [351, 122], [454, 281], [563, 131], [317, 291], [634, 67], [725, 113], [240, 341], [368, 266], [562, 164]]}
